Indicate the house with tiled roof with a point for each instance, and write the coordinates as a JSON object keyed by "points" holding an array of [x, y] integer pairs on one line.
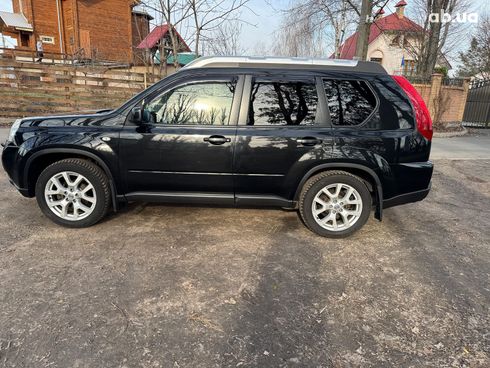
{"points": [[394, 41], [159, 41]]}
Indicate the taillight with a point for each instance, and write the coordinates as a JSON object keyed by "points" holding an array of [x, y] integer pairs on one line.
{"points": [[422, 115]]}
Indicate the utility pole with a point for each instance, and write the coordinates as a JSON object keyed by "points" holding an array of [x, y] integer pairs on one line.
{"points": [[364, 29]]}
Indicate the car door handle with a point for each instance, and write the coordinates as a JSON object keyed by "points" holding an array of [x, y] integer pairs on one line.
{"points": [[308, 141], [217, 139]]}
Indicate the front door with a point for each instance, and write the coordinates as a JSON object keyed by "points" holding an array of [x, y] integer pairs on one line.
{"points": [[85, 44], [284, 131], [184, 145]]}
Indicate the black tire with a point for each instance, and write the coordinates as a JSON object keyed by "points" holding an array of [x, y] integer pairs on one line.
{"points": [[89, 170], [317, 183]]}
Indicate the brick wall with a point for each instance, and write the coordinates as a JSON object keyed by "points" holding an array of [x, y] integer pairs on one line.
{"points": [[445, 103], [26, 7], [108, 24], [101, 26], [46, 23], [70, 42], [140, 29]]}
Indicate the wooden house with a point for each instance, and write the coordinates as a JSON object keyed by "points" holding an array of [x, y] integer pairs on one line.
{"points": [[105, 30]]}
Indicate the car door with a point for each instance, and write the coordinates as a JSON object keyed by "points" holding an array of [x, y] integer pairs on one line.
{"points": [[284, 130], [183, 145]]}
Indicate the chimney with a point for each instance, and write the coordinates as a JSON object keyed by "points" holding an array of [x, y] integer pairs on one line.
{"points": [[400, 8]]}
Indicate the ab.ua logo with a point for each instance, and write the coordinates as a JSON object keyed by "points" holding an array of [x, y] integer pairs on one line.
{"points": [[443, 17]]}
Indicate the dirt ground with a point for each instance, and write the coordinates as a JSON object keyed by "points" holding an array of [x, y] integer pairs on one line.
{"points": [[167, 286]]}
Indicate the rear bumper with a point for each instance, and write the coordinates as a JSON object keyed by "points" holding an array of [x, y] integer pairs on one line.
{"points": [[407, 198]]}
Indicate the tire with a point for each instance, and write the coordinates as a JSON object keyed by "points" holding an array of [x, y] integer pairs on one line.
{"points": [[331, 215], [73, 193]]}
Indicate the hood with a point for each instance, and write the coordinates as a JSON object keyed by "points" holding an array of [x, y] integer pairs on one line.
{"points": [[82, 118]]}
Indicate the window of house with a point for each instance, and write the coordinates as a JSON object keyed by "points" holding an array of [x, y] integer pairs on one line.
{"points": [[409, 68], [350, 101], [283, 103], [24, 39], [205, 103], [47, 39], [376, 59]]}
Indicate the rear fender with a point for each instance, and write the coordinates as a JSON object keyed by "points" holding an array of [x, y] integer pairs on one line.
{"points": [[377, 188]]}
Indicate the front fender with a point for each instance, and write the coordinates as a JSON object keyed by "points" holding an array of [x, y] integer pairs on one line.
{"points": [[84, 143]]}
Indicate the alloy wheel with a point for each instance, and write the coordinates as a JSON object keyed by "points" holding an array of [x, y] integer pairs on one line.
{"points": [[337, 207], [70, 196]]}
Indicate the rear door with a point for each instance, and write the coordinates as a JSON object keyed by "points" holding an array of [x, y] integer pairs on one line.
{"points": [[283, 131]]}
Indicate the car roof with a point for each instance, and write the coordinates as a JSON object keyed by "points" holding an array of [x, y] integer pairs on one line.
{"points": [[271, 62]]}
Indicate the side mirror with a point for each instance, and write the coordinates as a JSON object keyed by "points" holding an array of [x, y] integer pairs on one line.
{"points": [[136, 114]]}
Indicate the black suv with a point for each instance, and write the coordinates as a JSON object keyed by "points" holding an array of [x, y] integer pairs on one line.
{"points": [[331, 138]]}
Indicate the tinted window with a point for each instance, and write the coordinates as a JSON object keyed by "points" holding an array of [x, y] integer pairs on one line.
{"points": [[278, 103], [206, 103], [350, 102]]}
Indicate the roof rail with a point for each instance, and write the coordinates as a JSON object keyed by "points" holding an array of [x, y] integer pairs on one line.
{"points": [[240, 61]]}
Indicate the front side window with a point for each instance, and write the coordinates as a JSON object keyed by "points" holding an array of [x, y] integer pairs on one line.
{"points": [[282, 103], [350, 101], [206, 103]]}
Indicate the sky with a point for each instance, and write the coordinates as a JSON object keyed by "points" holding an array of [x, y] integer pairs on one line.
{"points": [[263, 19]]}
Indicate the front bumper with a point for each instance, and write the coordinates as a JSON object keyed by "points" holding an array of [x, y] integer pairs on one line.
{"points": [[10, 159], [407, 198]]}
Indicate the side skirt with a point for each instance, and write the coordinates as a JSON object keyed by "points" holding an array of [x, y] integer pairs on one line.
{"points": [[182, 197], [239, 200]]}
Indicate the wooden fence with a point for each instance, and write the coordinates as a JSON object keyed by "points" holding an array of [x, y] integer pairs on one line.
{"points": [[38, 89]]}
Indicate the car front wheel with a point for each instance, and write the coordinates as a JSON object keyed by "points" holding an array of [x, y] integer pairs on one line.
{"points": [[335, 204], [73, 193]]}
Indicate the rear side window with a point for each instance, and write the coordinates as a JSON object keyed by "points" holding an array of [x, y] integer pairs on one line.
{"points": [[283, 103], [350, 101]]}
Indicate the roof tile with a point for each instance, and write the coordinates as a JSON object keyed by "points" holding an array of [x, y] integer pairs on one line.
{"points": [[389, 23], [156, 35]]}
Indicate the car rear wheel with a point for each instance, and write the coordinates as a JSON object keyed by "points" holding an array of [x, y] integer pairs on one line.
{"points": [[73, 193], [335, 204]]}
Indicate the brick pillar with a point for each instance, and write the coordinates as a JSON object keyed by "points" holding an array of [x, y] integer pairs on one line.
{"points": [[435, 91], [466, 87]]}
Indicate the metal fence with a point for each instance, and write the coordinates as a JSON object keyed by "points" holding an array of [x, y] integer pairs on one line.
{"points": [[450, 82], [453, 82], [477, 108], [418, 80]]}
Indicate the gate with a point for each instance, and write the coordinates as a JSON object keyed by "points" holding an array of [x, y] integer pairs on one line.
{"points": [[477, 108]]}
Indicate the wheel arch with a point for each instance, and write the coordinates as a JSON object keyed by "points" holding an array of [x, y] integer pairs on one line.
{"points": [[367, 174], [36, 163]]}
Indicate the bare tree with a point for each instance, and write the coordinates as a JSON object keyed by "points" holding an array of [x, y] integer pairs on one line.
{"points": [[334, 17], [172, 13], [297, 37], [331, 18], [476, 60], [439, 38], [225, 39], [209, 14], [366, 17], [260, 48]]}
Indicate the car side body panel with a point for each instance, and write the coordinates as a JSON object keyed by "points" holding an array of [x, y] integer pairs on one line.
{"points": [[267, 165], [95, 136]]}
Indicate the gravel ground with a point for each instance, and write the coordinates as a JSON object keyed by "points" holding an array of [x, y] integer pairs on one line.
{"points": [[169, 286]]}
